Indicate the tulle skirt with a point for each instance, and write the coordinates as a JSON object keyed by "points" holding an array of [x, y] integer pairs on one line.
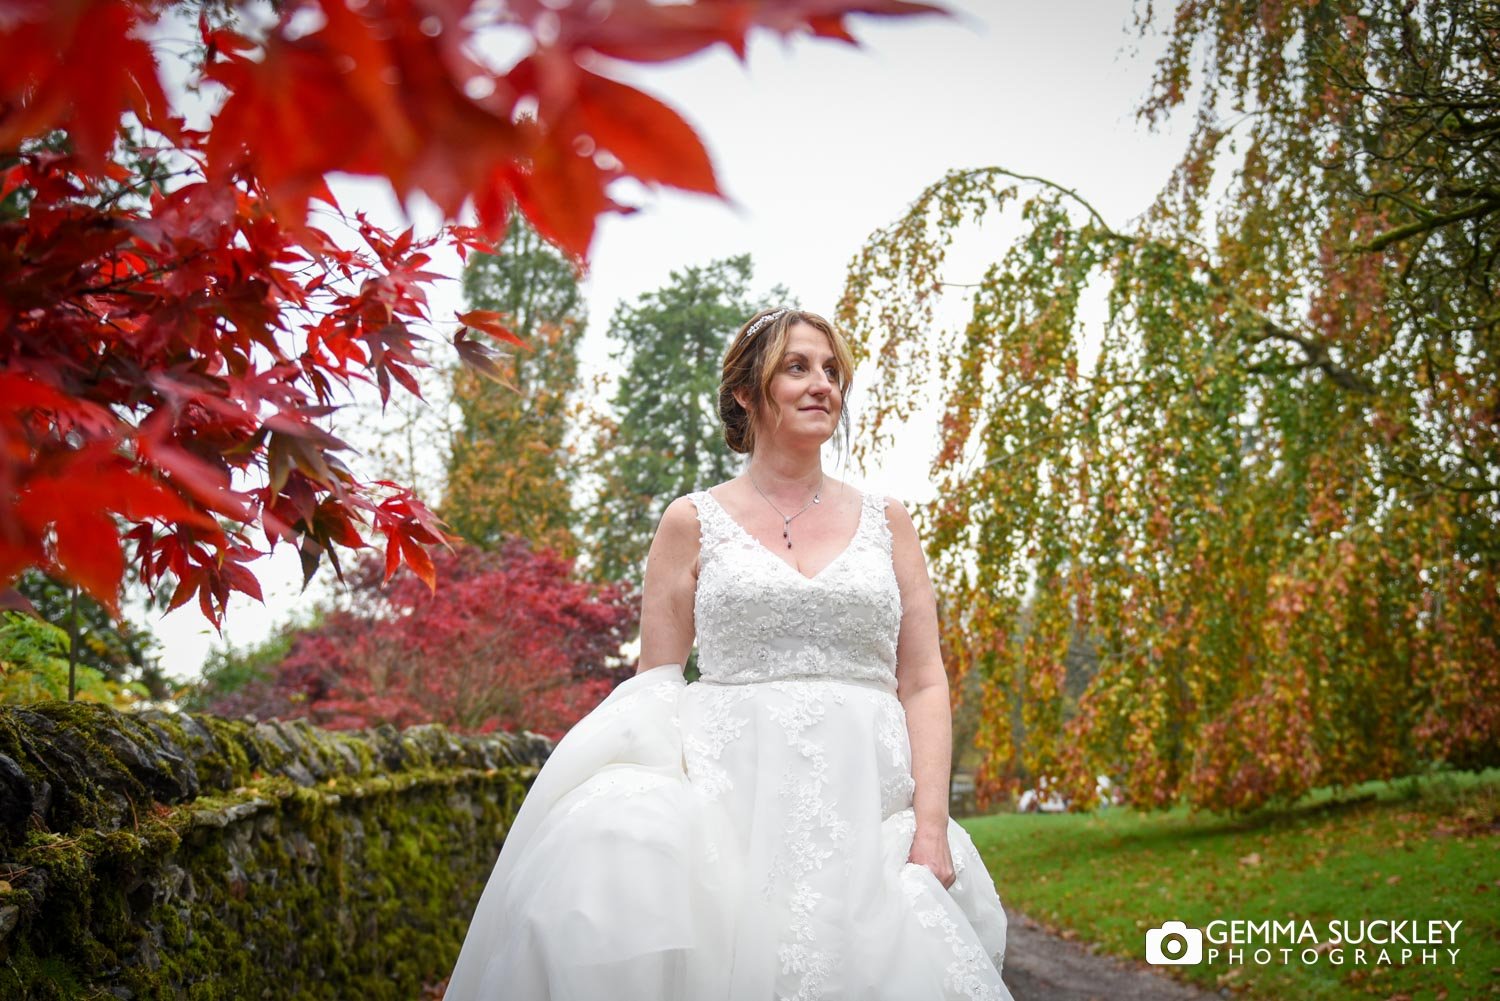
{"points": [[740, 842]]}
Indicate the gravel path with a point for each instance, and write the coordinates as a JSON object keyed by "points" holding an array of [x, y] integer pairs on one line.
{"points": [[1040, 966]]}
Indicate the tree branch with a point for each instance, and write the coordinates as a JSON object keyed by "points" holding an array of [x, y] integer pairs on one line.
{"points": [[1109, 230], [1475, 211], [1317, 357]]}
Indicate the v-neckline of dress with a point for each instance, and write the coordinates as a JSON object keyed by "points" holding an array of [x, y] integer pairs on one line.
{"points": [[859, 527]]}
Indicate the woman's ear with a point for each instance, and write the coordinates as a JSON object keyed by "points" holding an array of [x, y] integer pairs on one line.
{"points": [[742, 398]]}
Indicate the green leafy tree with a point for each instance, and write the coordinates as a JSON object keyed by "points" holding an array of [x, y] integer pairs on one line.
{"points": [[510, 467], [1267, 491], [120, 650], [34, 667], [664, 439]]}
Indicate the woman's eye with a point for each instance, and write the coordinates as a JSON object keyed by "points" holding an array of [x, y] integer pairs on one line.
{"points": [[797, 366]]}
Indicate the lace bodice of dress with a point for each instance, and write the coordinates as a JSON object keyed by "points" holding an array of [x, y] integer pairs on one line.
{"points": [[760, 619]]}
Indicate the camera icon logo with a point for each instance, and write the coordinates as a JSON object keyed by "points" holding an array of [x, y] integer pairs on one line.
{"points": [[1174, 944]]}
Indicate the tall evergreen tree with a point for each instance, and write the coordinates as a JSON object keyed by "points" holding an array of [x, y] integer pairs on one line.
{"points": [[665, 440], [509, 468]]}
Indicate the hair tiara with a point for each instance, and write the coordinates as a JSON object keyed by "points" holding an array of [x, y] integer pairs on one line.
{"points": [[769, 317]]}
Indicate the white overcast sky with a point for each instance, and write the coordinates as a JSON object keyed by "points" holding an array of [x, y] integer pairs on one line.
{"points": [[817, 144]]}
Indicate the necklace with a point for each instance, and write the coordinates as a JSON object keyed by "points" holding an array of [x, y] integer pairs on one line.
{"points": [[786, 520]]}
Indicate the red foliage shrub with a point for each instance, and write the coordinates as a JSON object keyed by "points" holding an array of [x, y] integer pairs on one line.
{"points": [[511, 641]]}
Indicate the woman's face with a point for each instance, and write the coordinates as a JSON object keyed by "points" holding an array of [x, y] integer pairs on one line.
{"points": [[806, 387]]}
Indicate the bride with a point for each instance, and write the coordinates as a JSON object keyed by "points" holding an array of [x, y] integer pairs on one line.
{"points": [[778, 828]]}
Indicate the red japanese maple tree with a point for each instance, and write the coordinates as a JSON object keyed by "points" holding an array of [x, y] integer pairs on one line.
{"points": [[511, 640], [177, 333]]}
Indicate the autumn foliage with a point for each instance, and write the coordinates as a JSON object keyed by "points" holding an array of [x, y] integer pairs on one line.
{"points": [[178, 330], [1257, 490], [510, 641]]}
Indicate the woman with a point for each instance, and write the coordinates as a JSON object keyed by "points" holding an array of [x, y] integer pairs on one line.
{"points": [[778, 829]]}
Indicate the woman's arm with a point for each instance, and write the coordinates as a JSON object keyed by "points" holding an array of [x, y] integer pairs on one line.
{"points": [[667, 594], [922, 687]]}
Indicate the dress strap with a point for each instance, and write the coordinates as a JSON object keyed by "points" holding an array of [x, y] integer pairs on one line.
{"points": [[712, 529], [879, 525]]}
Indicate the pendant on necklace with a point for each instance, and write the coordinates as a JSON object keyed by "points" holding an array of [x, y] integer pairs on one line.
{"points": [[785, 534]]}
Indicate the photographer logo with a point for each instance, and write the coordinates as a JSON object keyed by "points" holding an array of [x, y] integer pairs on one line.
{"points": [[1362, 942], [1174, 944]]}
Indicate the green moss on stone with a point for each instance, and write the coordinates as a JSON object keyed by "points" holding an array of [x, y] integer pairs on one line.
{"points": [[357, 886]]}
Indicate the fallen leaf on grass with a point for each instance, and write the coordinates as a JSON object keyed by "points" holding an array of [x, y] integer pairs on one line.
{"points": [[1231, 974]]}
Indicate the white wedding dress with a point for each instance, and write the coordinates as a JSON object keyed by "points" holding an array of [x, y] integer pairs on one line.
{"points": [[744, 837]]}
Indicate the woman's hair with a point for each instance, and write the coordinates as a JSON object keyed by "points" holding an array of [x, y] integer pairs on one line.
{"points": [[752, 362]]}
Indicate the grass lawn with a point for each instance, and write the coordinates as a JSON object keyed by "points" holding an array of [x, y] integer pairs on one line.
{"points": [[1414, 849]]}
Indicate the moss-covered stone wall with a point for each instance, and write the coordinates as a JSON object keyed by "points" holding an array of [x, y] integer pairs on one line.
{"points": [[161, 855]]}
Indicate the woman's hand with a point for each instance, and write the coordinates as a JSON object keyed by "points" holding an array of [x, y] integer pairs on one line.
{"points": [[930, 848]]}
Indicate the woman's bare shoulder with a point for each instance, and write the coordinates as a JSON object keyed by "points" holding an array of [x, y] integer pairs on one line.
{"points": [[677, 539], [906, 550], [680, 518], [903, 528]]}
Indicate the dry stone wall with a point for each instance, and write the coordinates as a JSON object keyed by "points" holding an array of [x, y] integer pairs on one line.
{"points": [[174, 855]]}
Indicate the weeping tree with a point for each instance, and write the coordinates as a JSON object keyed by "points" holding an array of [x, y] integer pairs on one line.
{"points": [[1264, 485]]}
